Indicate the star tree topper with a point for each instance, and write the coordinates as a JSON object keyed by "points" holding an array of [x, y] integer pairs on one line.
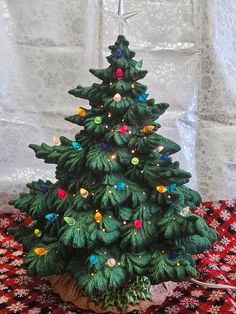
{"points": [[121, 17]]}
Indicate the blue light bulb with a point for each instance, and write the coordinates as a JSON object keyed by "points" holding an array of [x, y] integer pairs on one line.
{"points": [[118, 53], [143, 97], [51, 216], [93, 259], [120, 186], [76, 145]]}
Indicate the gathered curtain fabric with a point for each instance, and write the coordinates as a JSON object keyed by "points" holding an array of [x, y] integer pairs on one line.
{"points": [[188, 47]]}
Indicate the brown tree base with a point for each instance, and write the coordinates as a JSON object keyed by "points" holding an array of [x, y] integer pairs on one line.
{"points": [[67, 288]]}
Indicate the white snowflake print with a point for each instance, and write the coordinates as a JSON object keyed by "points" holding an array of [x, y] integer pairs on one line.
{"points": [[189, 303], [21, 271], [184, 284], [224, 240], [214, 309], [21, 292], [215, 205], [225, 215], [4, 261], [43, 287], [1, 237], [2, 286], [174, 309], [177, 294], [16, 307], [3, 270], [23, 280], [233, 226], [231, 259], [213, 266], [214, 224], [201, 210], [232, 276], [3, 251], [233, 249], [196, 293], [17, 253], [218, 248], [19, 216], [9, 243], [225, 268], [4, 223], [230, 203], [46, 298], [233, 309], [3, 299], [215, 257], [198, 256], [16, 262], [216, 295], [34, 310]]}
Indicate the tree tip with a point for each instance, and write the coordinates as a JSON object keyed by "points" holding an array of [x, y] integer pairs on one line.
{"points": [[122, 39]]}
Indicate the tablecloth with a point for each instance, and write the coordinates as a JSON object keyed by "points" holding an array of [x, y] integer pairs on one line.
{"points": [[21, 294]]}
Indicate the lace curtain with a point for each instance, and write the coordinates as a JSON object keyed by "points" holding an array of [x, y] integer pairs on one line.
{"points": [[188, 47]]}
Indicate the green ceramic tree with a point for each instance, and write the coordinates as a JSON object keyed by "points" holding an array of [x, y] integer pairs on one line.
{"points": [[119, 213]]}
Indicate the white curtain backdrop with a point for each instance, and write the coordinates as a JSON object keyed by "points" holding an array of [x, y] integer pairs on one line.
{"points": [[188, 47]]}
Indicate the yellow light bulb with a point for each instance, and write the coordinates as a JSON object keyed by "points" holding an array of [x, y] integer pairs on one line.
{"points": [[135, 160], [37, 232], [147, 128], [161, 189], [98, 217], [40, 251], [81, 111]]}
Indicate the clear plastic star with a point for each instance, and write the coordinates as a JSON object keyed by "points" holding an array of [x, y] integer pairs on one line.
{"points": [[121, 17]]}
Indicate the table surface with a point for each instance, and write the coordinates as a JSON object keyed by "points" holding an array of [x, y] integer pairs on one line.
{"points": [[21, 294]]}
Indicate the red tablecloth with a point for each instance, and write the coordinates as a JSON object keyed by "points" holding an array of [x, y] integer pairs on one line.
{"points": [[20, 293]]}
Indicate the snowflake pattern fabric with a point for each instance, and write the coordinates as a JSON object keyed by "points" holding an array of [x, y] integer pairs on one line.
{"points": [[22, 294]]}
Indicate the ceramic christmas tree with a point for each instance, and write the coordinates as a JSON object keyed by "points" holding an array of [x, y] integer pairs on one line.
{"points": [[119, 217]]}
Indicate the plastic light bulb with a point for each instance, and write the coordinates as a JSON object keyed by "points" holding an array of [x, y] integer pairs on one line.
{"points": [[135, 160], [56, 141], [119, 74], [161, 188], [117, 97], [84, 193], [40, 251], [81, 112], [118, 53], [111, 262], [98, 120], [98, 217]]}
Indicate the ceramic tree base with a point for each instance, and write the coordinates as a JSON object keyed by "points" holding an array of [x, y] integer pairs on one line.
{"points": [[67, 288]]}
